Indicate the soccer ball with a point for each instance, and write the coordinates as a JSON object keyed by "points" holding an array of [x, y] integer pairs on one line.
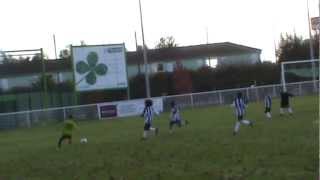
{"points": [[83, 140]]}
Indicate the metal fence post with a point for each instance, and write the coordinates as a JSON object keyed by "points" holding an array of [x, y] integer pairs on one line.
{"points": [[257, 94], [64, 114], [191, 98], [220, 98], [247, 91], [300, 89], [99, 112], [28, 120], [274, 91]]}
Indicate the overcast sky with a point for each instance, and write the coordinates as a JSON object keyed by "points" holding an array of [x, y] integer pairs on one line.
{"points": [[256, 23]]}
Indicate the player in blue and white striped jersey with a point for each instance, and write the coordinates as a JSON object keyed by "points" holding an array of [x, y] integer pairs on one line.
{"points": [[240, 108], [267, 105], [175, 117], [148, 113]]}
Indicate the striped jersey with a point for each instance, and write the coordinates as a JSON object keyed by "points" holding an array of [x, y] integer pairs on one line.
{"points": [[267, 102], [239, 106], [175, 113], [148, 114]]}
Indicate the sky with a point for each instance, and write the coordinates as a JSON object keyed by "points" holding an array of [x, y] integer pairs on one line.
{"points": [[256, 23]]}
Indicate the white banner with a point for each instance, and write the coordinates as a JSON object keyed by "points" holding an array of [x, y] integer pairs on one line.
{"points": [[99, 67], [135, 107]]}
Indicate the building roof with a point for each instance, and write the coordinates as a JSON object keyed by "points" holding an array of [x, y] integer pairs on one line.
{"points": [[189, 52]]}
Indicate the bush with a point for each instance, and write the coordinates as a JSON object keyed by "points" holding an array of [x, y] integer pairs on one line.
{"points": [[206, 79]]}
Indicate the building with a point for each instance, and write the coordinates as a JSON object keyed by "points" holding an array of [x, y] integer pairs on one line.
{"points": [[24, 74], [192, 57], [19, 75]]}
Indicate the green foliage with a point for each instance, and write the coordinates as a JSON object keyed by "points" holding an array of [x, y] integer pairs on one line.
{"points": [[182, 81], [284, 148], [162, 84], [39, 84], [206, 79], [167, 42], [65, 54], [293, 48]]}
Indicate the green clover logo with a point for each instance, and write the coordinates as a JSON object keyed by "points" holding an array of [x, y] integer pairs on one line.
{"points": [[91, 68]]}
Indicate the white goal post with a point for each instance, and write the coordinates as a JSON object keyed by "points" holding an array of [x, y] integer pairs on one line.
{"points": [[314, 69]]}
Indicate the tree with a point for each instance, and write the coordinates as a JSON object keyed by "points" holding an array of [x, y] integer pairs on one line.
{"points": [[293, 48], [167, 42], [64, 54], [182, 80], [51, 84]]}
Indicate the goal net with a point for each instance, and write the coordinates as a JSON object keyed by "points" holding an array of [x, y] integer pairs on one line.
{"points": [[297, 71]]}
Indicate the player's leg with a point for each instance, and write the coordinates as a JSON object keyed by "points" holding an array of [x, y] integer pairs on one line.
{"points": [[246, 122], [154, 130], [146, 129], [236, 128], [179, 124], [268, 112], [290, 110], [281, 111], [171, 123], [69, 139], [237, 125], [61, 139]]}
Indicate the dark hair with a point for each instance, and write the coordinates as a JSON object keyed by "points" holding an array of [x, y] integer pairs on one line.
{"points": [[70, 116], [173, 103], [239, 94], [148, 102]]}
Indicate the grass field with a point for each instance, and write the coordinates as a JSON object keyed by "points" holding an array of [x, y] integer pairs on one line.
{"points": [[283, 148]]}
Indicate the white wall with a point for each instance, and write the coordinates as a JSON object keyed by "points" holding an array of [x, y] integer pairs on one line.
{"points": [[239, 59], [4, 84]]}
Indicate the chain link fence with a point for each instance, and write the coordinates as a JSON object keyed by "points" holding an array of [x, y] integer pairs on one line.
{"points": [[91, 112], [252, 94]]}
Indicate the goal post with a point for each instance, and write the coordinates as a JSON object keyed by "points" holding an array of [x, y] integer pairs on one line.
{"points": [[304, 70]]}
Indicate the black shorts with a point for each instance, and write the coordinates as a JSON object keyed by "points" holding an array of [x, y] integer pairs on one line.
{"points": [[147, 126], [285, 105], [65, 136], [240, 118], [267, 110], [177, 122]]}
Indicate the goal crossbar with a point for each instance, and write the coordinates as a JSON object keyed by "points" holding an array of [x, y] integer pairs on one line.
{"points": [[312, 61]]}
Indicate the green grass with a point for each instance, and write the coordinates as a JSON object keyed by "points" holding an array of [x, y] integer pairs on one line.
{"points": [[283, 148]]}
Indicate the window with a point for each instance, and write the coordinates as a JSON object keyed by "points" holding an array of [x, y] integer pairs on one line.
{"points": [[212, 62]]}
